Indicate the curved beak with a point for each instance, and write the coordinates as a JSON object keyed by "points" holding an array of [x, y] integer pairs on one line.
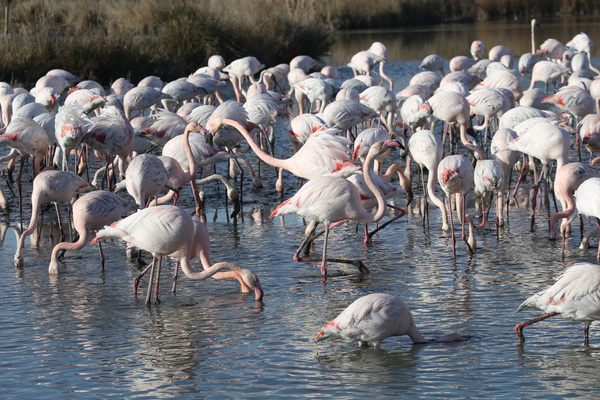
{"points": [[258, 291]]}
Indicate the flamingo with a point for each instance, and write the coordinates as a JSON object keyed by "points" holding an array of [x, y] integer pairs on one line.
{"points": [[70, 126], [317, 91], [121, 86], [504, 80], [330, 199], [324, 153], [26, 137], [546, 71], [344, 114], [497, 52], [507, 159], [111, 134], [426, 150], [433, 62], [574, 296], [90, 85], [477, 49], [242, 68], [380, 99], [455, 176], [91, 212], [461, 63], [55, 186], [583, 43], [528, 60], [466, 78], [145, 177], [415, 111], [566, 181], [302, 126], [88, 100], [373, 318], [66, 75], [589, 131], [546, 142], [167, 231], [488, 177], [452, 107], [140, 98], [426, 78], [587, 200], [380, 50]]}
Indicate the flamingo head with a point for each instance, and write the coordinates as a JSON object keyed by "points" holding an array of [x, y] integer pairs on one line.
{"points": [[447, 175], [253, 283], [356, 150]]}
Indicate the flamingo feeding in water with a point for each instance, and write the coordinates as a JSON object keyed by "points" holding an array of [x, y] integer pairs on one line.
{"points": [[373, 318], [574, 296], [166, 231]]}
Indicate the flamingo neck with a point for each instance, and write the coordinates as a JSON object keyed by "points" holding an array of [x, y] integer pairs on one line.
{"points": [[568, 210], [260, 153], [188, 153], [381, 204], [84, 237]]}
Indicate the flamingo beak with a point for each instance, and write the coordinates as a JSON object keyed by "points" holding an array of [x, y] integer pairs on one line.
{"points": [[447, 175], [355, 152], [258, 291]]}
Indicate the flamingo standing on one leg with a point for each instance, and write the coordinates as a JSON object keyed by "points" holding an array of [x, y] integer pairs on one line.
{"points": [[488, 177], [91, 212], [574, 296], [330, 199], [166, 231], [455, 176]]}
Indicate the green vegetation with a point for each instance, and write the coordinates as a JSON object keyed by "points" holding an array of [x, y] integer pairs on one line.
{"points": [[106, 39]]}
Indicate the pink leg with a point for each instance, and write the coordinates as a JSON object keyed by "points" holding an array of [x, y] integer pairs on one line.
{"points": [[324, 262], [452, 226], [519, 327]]}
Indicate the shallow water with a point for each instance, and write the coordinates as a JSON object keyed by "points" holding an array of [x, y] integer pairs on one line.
{"points": [[83, 333]]}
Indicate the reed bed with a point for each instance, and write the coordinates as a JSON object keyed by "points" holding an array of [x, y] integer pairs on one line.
{"points": [[107, 39]]}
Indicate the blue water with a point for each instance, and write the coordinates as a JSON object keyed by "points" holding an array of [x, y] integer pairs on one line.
{"points": [[83, 334]]}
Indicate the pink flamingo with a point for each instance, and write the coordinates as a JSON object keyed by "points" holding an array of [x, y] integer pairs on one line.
{"points": [[70, 126], [415, 112], [584, 44], [111, 134], [345, 114], [573, 296], [54, 186], [140, 98], [504, 80], [587, 200], [589, 131], [546, 142], [455, 176], [507, 159], [528, 60], [499, 51], [26, 137], [461, 63], [426, 150], [324, 153], [330, 199], [546, 71], [488, 177], [88, 100], [91, 212], [121, 86], [167, 231], [317, 91], [452, 107], [477, 49], [426, 78], [179, 91], [242, 68], [373, 318], [567, 180], [554, 50], [305, 63], [433, 63], [381, 100], [302, 126], [166, 126], [145, 177], [201, 249], [380, 50]]}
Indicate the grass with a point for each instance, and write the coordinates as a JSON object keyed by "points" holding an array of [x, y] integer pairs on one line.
{"points": [[107, 39]]}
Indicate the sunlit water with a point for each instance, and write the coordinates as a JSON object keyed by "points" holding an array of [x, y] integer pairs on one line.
{"points": [[84, 334]]}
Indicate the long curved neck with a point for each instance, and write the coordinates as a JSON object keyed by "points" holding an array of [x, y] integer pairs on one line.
{"points": [[264, 156], [84, 238], [566, 212], [381, 204], [206, 273], [204, 257], [188, 153]]}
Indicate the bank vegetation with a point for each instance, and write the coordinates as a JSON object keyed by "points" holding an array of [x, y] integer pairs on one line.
{"points": [[107, 39]]}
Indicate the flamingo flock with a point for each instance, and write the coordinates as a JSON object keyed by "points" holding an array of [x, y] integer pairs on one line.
{"points": [[468, 129]]}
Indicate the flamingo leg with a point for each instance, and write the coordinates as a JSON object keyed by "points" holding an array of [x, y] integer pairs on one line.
{"points": [[452, 226], [136, 280], [149, 291], [324, 262], [402, 213], [519, 327], [175, 273], [101, 254], [157, 280]]}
